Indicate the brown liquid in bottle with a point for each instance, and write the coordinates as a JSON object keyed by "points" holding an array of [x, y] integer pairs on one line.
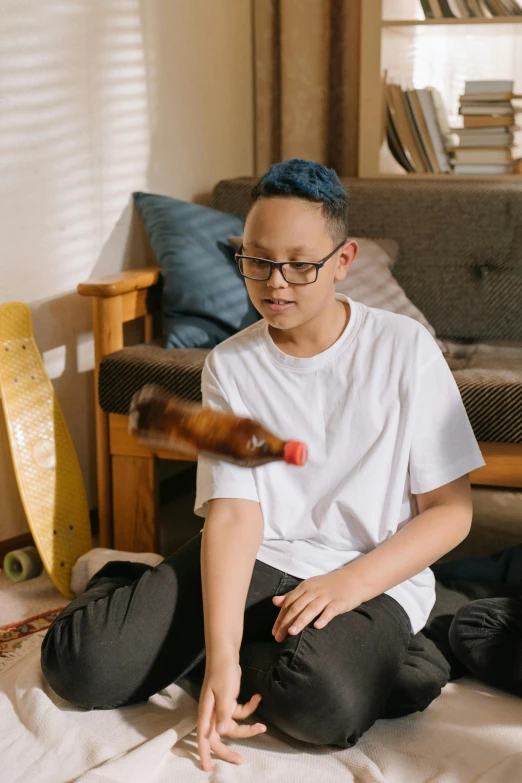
{"points": [[161, 421]]}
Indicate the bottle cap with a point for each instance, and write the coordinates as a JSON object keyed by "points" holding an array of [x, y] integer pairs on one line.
{"points": [[295, 453]]}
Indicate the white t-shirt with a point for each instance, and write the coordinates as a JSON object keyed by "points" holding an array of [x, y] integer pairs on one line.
{"points": [[382, 417]]}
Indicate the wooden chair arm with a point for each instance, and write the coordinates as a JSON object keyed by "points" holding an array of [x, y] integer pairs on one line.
{"points": [[116, 300], [121, 283]]}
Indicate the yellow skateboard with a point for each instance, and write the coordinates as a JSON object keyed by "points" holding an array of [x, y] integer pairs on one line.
{"points": [[45, 462]]}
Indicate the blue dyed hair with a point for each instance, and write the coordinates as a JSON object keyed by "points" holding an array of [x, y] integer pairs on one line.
{"points": [[310, 181]]}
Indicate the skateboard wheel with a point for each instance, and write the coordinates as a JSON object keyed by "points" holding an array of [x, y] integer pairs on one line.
{"points": [[23, 564]]}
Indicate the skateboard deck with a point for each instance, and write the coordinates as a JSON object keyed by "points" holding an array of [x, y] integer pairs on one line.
{"points": [[45, 462]]}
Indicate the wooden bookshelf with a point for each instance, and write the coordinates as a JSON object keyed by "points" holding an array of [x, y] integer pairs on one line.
{"points": [[471, 20], [508, 178], [372, 131]]}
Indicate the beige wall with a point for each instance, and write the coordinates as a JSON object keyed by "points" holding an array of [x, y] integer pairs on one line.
{"points": [[99, 98]]}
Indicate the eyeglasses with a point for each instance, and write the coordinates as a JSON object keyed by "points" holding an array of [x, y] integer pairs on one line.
{"points": [[295, 272]]}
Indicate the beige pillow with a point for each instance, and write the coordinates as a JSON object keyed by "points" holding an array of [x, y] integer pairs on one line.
{"points": [[370, 280]]}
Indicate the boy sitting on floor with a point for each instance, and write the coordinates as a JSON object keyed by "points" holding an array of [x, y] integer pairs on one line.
{"points": [[307, 584]]}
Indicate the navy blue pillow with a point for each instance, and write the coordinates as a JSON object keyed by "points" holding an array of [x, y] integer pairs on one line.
{"points": [[204, 296]]}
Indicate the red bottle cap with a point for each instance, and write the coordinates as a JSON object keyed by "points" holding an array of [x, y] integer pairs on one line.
{"points": [[295, 453]]}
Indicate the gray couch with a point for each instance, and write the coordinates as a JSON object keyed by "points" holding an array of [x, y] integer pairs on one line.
{"points": [[460, 262]]}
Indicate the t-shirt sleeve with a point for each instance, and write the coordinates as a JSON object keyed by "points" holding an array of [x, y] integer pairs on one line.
{"points": [[443, 446], [217, 478]]}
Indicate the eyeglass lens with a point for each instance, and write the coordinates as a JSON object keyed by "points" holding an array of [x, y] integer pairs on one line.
{"points": [[256, 269]]}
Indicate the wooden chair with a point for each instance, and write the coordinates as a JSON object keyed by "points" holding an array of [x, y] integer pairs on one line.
{"points": [[126, 471]]}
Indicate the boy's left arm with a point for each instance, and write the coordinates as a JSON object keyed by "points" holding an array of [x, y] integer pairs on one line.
{"points": [[444, 520]]}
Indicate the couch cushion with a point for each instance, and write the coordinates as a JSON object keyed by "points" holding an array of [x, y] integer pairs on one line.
{"points": [[204, 297], [125, 372], [489, 376]]}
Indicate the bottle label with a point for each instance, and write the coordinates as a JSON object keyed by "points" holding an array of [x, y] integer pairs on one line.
{"points": [[255, 443]]}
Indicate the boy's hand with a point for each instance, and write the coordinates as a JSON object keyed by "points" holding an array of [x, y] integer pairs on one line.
{"points": [[330, 594], [219, 713]]}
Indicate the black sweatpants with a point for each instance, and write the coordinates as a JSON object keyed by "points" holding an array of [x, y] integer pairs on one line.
{"points": [[137, 629], [478, 622]]}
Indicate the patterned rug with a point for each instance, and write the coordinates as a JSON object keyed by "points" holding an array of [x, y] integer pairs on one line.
{"points": [[16, 639]]}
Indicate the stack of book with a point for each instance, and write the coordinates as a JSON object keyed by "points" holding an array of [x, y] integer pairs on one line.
{"points": [[464, 9], [486, 140], [417, 129]]}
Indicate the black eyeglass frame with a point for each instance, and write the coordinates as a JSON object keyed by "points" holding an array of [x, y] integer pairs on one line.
{"points": [[280, 264]]}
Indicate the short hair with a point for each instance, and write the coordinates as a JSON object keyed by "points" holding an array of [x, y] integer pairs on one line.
{"points": [[311, 181]]}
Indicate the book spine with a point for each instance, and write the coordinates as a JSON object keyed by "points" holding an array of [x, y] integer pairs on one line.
{"points": [[405, 129], [446, 10], [499, 7], [473, 8], [506, 9], [473, 87], [474, 121], [513, 7], [417, 131], [437, 138], [395, 147], [436, 9], [455, 9], [424, 131], [426, 9], [463, 8], [486, 13], [399, 150], [483, 168]]}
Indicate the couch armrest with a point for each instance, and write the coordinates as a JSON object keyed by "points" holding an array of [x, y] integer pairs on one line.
{"points": [[121, 283], [116, 299]]}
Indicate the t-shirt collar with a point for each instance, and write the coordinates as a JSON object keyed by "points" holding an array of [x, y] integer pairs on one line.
{"points": [[325, 356]]}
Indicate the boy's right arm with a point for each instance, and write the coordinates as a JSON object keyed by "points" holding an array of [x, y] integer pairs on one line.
{"points": [[232, 534]]}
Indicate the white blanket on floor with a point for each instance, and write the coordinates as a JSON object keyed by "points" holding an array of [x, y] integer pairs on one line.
{"points": [[471, 734]]}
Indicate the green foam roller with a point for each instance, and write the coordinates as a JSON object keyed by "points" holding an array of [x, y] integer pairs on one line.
{"points": [[23, 564]]}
